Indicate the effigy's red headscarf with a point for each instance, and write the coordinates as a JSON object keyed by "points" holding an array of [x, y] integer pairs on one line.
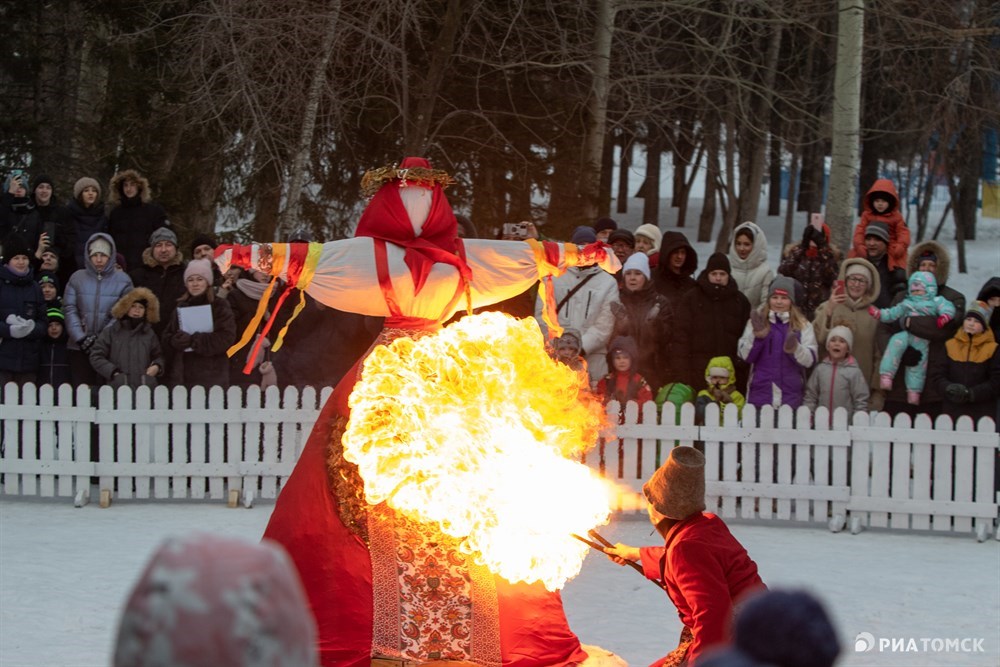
{"points": [[386, 218]]}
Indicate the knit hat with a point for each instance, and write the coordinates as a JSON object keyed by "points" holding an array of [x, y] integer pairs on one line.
{"points": [[38, 180], [927, 254], [199, 267], [99, 245], [858, 269], [716, 370], [14, 245], [604, 223], [718, 261], [639, 262], [783, 285], [583, 235], [787, 628], [162, 234], [85, 182], [55, 315], [651, 232], [571, 338], [49, 278], [982, 311], [879, 230], [842, 331], [677, 488], [120, 261], [622, 235], [211, 600], [206, 239]]}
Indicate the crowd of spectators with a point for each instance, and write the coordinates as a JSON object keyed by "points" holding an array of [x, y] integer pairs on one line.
{"points": [[96, 293]]}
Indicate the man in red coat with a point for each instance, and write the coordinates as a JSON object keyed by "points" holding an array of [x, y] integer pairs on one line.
{"points": [[704, 568]]}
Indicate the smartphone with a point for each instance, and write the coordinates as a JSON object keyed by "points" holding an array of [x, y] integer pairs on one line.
{"points": [[517, 231], [839, 287], [816, 220]]}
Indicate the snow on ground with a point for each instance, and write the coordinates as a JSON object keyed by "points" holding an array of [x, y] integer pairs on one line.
{"points": [[65, 572]]}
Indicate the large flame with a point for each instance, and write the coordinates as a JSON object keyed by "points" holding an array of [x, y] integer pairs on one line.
{"points": [[471, 429]]}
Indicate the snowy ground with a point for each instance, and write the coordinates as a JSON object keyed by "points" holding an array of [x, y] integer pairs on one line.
{"points": [[64, 573]]}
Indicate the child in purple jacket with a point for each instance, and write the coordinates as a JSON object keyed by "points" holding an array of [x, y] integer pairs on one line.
{"points": [[779, 344]]}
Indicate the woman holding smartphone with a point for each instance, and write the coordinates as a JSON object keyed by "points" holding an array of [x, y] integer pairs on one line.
{"points": [[813, 262]]}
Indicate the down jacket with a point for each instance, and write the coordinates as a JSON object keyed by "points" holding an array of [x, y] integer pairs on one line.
{"points": [[21, 296], [129, 349], [840, 385], [854, 313], [206, 364], [646, 317], [90, 295], [669, 284], [753, 275], [132, 220], [899, 233], [166, 282], [777, 377]]}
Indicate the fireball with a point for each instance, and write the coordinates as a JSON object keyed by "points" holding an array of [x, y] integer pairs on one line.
{"points": [[477, 431]]}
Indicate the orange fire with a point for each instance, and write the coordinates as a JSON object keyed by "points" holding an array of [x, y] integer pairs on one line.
{"points": [[476, 430]]}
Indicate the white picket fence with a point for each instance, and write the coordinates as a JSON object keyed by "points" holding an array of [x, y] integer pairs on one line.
{"points": [[767, 465]]}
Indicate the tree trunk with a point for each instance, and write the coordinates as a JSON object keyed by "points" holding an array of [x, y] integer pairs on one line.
{"points": [[597, 110], [728, 197], [624, 170], [846, 122], [484, 212], [811, 179], [774, 177], [749, 202], [288, 221], [793, 178], [685, 195], [707, 219], [870, 151], [651, 203], [266, 186], [607, 171]]}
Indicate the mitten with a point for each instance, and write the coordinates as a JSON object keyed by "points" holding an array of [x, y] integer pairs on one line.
{"points": [[874, 312], [87, 342], [269, 377], [943, 320], [758, 323], [181, 340], [791, 342], [20, 327], [957, 393], [911, 356]]}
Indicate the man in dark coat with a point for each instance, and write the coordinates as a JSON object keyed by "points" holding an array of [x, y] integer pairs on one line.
{"points": [[678, 260], [134, 216], [704, 569], [933, 257], [892, 282], [710, 320], [22, 314], [162, 271]]}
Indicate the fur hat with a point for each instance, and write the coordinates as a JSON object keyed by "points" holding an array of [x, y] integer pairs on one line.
{"points": [[14, 245], [622, 235], [677, 488], [120, 309], [199, 267], [583, 236], [99, 245], [842, 331], [783, 285], [86, 182], [980, 310], [639, 262], [204, 239], [879, 230], [162, 234], [651, 232], [604, 223], [788, 628], [718, 261]]}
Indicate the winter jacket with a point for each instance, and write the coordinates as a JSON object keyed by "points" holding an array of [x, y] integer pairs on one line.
{"points": [[54, 366], [20, 296], [669, 284], [992, 288], [892, 282], [623, 386], [646, 317], [244, 308], [777, 377], [206, 364], [706, 571], [132, 220], [18, 215], [838, 385], [709, 321], [753, 275], [925, 326], [814, 268], [166, 282], [974, 362], [81, 224], [723, 395], [90, 295], [899, 233], [854, 313], [588, 310], [129, 348]]}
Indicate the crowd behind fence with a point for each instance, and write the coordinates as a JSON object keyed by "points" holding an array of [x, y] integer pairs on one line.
{"points": [[866, 469]]}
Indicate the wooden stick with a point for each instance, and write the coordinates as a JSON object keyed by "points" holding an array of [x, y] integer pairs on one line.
{"points": [[602, 548]]}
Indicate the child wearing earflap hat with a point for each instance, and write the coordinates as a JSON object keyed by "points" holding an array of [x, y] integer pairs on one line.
{"points": [[704, 569], [128, 352]]}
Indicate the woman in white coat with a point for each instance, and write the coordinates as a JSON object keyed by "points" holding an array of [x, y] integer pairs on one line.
{"points": [[748, 259]]}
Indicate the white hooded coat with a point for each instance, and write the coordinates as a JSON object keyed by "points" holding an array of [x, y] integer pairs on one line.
{"points": [[753, 275]]}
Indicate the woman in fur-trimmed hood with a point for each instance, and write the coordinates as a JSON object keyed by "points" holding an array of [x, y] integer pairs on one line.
{"points": [[133, 215], [128, 352]]}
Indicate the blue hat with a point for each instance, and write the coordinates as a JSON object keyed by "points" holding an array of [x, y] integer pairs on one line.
{"points": [[583, 236]]}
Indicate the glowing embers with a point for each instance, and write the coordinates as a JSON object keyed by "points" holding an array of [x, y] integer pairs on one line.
{"points": [[472, 430]]}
